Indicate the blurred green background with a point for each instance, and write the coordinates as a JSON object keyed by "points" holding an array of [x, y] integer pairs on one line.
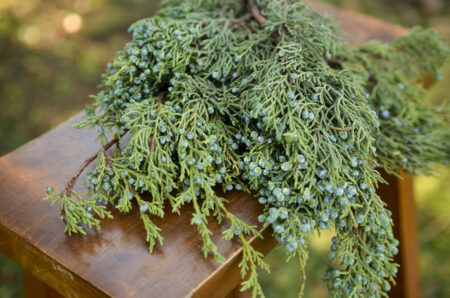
{"points": [[53, 52]]}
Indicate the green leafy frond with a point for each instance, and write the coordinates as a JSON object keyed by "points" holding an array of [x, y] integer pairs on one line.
{"points": [[264, 97]]}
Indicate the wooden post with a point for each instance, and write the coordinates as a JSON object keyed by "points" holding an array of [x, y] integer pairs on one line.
{"points": [[400, 199], [236, 293]]}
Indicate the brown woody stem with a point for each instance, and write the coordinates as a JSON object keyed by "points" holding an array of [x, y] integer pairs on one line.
{"points": [[160, 97], [91, 158], [240, 22], [342, 128], [152, 146], [234, 162], [254, 10], [256, 14]]}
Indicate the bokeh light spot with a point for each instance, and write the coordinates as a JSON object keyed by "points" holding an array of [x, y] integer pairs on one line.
{"points": [[31, 35], [72, 23]]}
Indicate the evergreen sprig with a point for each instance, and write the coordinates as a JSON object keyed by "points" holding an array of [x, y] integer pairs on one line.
{"points": [[265, 97], [413, 134]]}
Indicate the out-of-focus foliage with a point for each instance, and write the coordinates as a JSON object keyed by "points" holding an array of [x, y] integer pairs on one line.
{"points": [[52, 54], [11, 278], [429, 13], [433, 196]]}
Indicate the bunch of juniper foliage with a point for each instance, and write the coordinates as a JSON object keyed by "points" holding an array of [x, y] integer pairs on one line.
{"points": [[263, 97], [413, 135]]}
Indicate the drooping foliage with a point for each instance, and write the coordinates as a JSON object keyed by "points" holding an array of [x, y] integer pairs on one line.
{"points": [[263, 97], [413, 134]]}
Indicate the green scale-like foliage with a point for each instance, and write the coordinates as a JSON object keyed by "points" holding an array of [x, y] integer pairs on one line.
{"points": [[413, 134], [263, 97]]}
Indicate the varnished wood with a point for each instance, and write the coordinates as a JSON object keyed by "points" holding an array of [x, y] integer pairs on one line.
{"points": [[115, 261], [398, 194], [237, 293], [360, 28], [34, 288]]}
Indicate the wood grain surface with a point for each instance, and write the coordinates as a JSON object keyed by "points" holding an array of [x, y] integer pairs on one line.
{"points": [[115, 261], [359, 28]]}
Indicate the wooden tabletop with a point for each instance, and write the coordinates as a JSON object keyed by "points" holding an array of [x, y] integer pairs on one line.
{"points": [[115, 261]]}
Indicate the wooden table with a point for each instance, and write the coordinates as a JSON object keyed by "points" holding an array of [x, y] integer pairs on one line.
{"points": [[115, 261]]}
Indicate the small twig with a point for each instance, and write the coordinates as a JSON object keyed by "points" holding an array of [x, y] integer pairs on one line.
{"points": [[223, 9], [242, 19], [240, 22], [91, 158], [254, 10], [236, 26], [243, 185], [338, 128], [302, 269], [356, 238], [158, 102], [291, 80], [247, 29], [256, 13], [233, 161], [152, 146], [109, 162], [342, 128], [70, 185], [160, 97]]}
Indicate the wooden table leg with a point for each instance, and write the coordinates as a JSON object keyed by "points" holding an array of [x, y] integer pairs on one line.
{"points": [[400, 199], [236, 293], [34, 288]]}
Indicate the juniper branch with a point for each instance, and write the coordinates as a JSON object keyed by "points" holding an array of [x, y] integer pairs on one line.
{"points": [[73, 180], [207, 106]]}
